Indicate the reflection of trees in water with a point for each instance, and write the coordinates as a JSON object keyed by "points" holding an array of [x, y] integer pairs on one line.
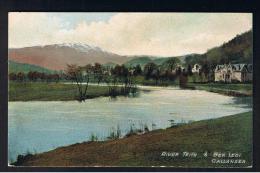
{"points": [[146, 90], [246, 101]]}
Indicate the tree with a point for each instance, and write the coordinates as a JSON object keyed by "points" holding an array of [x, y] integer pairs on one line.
{"points": [[171, 63], [205, 69], [183, 80], [42, 76], [248, 55], [137, 70], [122, 74], [148, 69], [178, 71], [12, 76], [116, 70], [32, 76], [155, 75], [171, 76], [78, 74], [89, 68], [189, 70], [98, 75], [53, 77], [216, 56], [193, 59], [20, 76]]}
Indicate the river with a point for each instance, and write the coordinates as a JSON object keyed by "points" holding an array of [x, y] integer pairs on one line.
{"points": [[38, 126]]}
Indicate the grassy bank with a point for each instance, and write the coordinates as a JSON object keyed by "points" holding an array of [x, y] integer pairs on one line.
{"points": [[42, 91], [227, 134], [238, 90], [229, 89]]}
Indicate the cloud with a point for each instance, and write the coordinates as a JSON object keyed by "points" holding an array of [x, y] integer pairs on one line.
{"points": [[164, 34], [26, 29]]}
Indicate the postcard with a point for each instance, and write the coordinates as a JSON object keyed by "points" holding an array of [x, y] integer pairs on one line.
{"points": [[117, 89]]}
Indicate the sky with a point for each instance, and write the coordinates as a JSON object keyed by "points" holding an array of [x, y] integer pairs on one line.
{"points": [[158, 34]]}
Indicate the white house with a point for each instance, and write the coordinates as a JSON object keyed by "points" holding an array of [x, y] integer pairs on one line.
{"points": [[233, 72], [196, 68]]}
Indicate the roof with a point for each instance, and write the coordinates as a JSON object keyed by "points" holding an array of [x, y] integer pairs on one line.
{"points": [[235, 67], [220, 67]]}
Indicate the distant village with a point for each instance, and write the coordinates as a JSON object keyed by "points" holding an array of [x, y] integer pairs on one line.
{"points": [[227, 73], [230, 72]]}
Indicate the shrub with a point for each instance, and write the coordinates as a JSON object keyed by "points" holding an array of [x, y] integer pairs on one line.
{"points": [[22, 158], [93, 137]]}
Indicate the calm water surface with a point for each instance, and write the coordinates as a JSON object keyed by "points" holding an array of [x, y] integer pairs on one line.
{"points": [[44, 125]]}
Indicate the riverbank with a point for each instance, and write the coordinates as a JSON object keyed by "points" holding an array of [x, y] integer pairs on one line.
{"points": [[236, 90], [227, 134], [41, 91]]}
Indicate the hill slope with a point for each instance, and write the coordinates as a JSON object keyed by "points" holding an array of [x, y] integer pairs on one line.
{"points": [[138, 61], [237, 50], [15, 67], [143, 60], [227, 134]]}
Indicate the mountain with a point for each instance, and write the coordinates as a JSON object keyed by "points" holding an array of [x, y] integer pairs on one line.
{"points": [[15, 67], [56, 56]]}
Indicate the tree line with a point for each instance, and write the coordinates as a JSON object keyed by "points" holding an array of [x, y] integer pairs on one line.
{"points": [[34, 76], [168, 71], [118, 75]]}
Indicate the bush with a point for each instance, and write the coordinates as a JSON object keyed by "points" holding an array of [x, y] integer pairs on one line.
{"points": [[22, 158], [93, 137]]}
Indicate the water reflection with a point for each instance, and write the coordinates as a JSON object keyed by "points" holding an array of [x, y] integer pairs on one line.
{"points": [[246, 102]]}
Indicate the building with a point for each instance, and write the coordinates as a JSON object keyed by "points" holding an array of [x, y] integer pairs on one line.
{"points": [[196, 68], [233, 73]]}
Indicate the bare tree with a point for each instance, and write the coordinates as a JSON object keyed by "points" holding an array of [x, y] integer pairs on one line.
{"points": [[79, 75]]}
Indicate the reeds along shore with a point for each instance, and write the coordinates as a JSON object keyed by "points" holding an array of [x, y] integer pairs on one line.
{"points": [[227, 134]]}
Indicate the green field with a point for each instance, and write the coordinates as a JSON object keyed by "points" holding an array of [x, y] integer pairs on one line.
{"points": [[227, 134], [42, 91]]}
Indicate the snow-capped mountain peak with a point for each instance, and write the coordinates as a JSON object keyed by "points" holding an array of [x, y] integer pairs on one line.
{"points": [[57, 56], [80, 46]]}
